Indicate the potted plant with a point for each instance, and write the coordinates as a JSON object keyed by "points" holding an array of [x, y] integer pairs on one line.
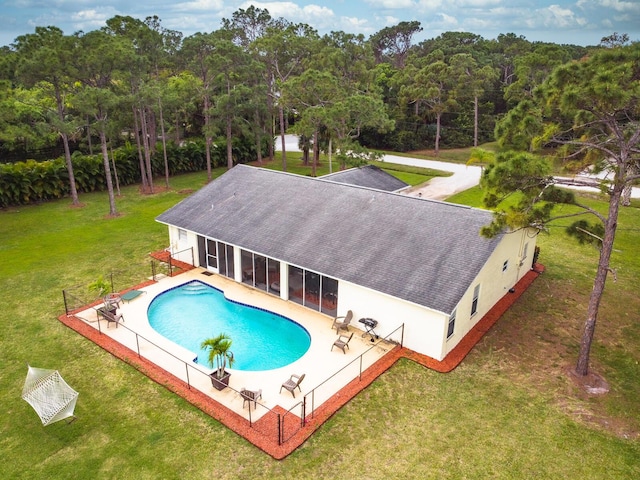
{"points": [[219, 354]]}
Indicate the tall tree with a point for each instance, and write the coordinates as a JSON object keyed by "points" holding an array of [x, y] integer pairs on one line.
{"points": [[346, 119], [532, 68], [349, 58], [46, 56], [232, 99], [283, 49], [180, 96], [473, 80], [162, 54], [393, 43], [505, 49], [615, 40], [155, 48], [139, 36], [22, 113], [590, 111], [196, 50], [247, 27], [311, 94], [430, 84], [101, 58]]}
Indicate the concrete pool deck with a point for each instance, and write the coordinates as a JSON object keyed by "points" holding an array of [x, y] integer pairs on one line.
{"points": [[318, 363], [264, 428]]}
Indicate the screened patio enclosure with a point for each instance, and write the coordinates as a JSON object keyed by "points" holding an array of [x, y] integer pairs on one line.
{"points": [[305, 287]]}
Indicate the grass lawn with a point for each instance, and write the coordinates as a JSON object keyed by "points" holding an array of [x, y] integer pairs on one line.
{"points": [[452, 155], [509, 411]]}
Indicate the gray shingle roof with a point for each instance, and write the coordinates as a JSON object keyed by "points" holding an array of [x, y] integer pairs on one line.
{"points": [[423, 251], [368, 176]]}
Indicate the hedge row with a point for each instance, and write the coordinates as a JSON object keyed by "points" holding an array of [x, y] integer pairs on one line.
{"points": [[31, 182]]}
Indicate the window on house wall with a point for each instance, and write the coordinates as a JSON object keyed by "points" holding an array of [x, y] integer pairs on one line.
{"points": [[182, 236], [248, 267], [452, 325], [260, 271], [273, 274], [474, 303], [329, 296], [202, 251], [313, 290], [505, 265], [296, 284], [308, 288], [524, 253], [225, 259]]}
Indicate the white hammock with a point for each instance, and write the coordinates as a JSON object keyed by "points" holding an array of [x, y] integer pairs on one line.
{"points": [[49, 395]]}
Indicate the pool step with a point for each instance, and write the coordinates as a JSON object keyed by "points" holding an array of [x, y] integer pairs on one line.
{"points": [[195, 289]]}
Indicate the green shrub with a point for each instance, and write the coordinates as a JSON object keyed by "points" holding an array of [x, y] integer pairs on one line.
{"points": [[30, 181]]}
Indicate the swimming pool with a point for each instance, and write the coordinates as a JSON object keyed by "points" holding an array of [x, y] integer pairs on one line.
{"points": [[194, 311]]}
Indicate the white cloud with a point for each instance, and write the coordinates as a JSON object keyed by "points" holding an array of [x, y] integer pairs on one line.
{"points": [[92, 18], [556, 17], [356, 24], [476, 3], [607, 23], [390, 21], [617, 5], [316, 16], [199, 5], [392, 4], [447, 22]]}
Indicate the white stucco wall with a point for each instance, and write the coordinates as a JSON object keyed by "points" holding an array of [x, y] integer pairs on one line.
{"points": [[182, 249], [424, 328], [494, 283]]}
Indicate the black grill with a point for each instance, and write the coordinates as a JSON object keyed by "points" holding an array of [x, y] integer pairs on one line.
{"points": [[370, 324]]}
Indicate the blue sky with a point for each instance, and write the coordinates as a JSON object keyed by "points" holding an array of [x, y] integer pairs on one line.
{"points": [[581, 22]]}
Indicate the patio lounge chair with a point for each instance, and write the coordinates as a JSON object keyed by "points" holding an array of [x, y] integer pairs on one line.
{"points": [[293, 383], [344, 324], [111, 316], [342, 342], [250, 396], [131, 294]]}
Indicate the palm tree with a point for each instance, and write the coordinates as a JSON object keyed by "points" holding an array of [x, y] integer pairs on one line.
{"points": [[219, 353]]}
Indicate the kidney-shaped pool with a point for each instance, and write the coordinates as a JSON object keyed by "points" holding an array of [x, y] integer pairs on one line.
{"points": [[195, 311]]}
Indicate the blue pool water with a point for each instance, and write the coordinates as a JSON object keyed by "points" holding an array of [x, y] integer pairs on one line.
{"points": [[261, 340]]}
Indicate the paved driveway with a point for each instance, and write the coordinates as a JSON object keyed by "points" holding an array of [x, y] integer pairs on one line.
{"points": [[439, 188]]}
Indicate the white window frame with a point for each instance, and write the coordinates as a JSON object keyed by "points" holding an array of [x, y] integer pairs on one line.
{"points": [[524, 253], [182, 236], [474, 302], [451, 324]]}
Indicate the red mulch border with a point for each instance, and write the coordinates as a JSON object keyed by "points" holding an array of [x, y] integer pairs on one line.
{"points": [[263, 432]]}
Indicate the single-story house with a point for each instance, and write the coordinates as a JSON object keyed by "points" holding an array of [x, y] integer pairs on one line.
{"points": [[334, 247]]}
